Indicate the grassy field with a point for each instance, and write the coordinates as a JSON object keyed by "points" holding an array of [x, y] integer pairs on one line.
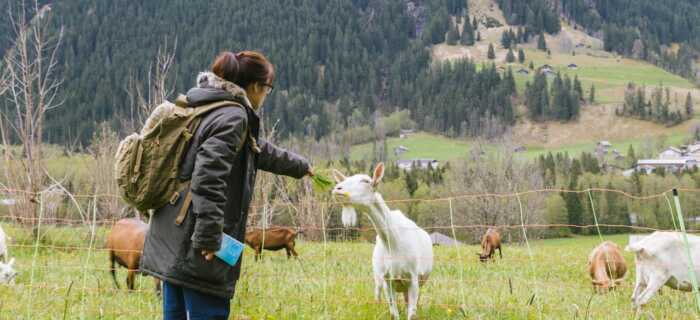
{"points": [[426, 145], [420, 145], [333, 281], [609, 75]]}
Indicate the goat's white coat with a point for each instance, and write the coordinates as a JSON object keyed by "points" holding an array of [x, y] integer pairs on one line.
{"points": [[661, 259], [349, 217], [7, 272], [3, 245], [403, 253]]}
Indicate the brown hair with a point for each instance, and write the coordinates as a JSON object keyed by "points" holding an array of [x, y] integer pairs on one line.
{"points": [[243, 68]]}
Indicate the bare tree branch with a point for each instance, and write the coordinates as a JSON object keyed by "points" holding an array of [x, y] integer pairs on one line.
{"points": [[29, 78], [144, 99]]}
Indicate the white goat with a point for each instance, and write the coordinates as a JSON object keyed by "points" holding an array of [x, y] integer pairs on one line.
{"points": [[7, 272], [349, 217], [661, 259], [3, 245], [403, 253]]}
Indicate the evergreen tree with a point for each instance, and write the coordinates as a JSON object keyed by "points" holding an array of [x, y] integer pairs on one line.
{"points": [[506, 40], [478, 36], [521, 55], [467, 37], [491, 53], [532, 65], [574, 208], [475, 24], [541, 44], [631, 156], [411, 181], [577, 86], [591, 94], [689, 105], [510, 57], [452, 35]]}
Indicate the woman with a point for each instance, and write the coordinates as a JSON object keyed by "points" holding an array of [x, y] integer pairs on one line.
{"points": [[221, 164]]}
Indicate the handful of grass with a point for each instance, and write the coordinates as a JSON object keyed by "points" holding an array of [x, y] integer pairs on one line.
{"points": [[321, 183]]}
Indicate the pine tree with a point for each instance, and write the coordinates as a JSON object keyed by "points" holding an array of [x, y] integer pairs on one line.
{"points": [[506, 40], [521, 55], [475, 24], [452, 35], [491, 53], [478, 36], [689, 105], [541, 44], [510, 57], [591, 94], [531, 66], [467, 37], [631, 156], [574, 208], [577, 86]]}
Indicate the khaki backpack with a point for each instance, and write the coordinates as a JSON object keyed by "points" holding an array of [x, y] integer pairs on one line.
{"points": [[147, 163]]}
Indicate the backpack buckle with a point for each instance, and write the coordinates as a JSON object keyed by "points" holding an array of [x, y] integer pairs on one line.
{"points": [[173, 199]]}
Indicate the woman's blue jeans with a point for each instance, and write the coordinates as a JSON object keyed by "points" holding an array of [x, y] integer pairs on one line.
{"points": [[180, 303]]}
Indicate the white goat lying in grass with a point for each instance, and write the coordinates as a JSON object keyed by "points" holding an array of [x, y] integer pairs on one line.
{"points": [[403, 254]]}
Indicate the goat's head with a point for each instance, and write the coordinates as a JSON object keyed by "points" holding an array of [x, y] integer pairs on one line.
{"points": [[358, 189], [603, 286], [7, 272]]}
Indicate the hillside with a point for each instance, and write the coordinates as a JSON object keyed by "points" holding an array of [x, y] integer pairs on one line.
{"points": [[331, 75], [596, 123]]}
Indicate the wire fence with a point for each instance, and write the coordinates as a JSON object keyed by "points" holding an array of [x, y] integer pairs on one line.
{"points": [[60, 256]]}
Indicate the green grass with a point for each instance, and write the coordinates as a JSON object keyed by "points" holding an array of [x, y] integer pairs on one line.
{"points": [[420, 145], [589, 146], [426, 145], [609, 75], [333, 281]]}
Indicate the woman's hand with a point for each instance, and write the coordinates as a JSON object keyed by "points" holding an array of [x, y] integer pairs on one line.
{"points": [[208, 255]]}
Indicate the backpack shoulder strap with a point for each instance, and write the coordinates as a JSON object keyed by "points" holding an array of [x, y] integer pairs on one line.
{"points": [[198, 111]]}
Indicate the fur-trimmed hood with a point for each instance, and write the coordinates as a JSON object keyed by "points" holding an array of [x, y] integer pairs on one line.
{"points": [[211, 87]]}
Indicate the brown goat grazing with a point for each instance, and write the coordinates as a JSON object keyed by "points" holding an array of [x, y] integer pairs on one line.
{"points": [[275, 238], [489, 243], [606, 266], [125, 245]]}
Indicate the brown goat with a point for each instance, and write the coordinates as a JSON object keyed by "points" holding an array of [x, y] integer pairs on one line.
{"points": [[606, 266], [489, 243], [275, 238], [125, 245]]}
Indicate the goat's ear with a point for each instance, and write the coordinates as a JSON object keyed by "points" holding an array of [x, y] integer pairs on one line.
{"points": [[378, 174], [338, 176]]}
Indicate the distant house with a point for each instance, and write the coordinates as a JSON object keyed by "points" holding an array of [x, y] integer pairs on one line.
{"points": [[602, 147], [672, 165], [409, 164], [519, 149], [572, 66], [399, 150], [671, 153], [523, 71], [604, 144], [404, 133], [440, 239]]}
